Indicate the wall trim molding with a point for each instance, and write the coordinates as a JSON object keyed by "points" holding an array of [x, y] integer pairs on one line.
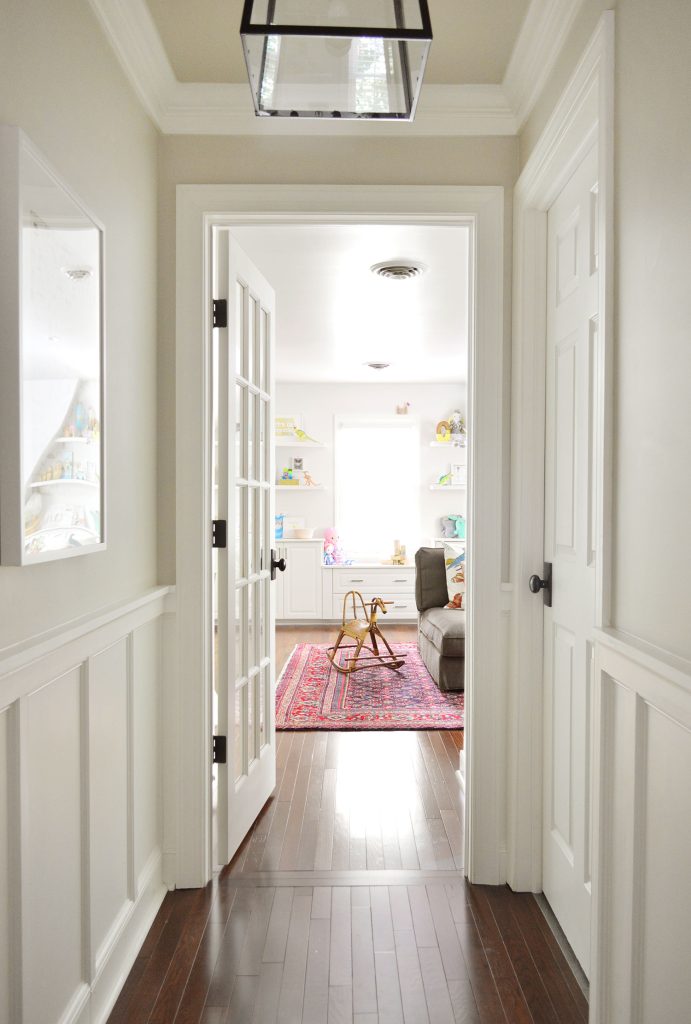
{"points": [[200, 108], [17, 656]]}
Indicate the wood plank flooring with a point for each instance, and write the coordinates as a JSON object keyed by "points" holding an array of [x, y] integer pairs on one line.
{"points": [[346, 904]]}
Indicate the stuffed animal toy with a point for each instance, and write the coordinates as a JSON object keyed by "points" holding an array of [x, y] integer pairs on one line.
{"points": [[333, 552], [459, 526], [447, 526]]}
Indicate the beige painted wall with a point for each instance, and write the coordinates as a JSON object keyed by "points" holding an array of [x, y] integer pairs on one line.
{"points": [[324, 161], [652, 457], [61, 83]]}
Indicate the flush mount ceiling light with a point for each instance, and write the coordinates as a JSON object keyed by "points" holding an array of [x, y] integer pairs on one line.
{"points": [[378, 366], [336, 58], [398, 270]]}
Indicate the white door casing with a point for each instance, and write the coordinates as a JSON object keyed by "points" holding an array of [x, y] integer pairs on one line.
{"points": [[199, 210], [246, 656], [570, 532]]}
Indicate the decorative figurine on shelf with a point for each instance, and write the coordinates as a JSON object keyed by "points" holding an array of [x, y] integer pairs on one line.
{"points": [[448, 527], [308, 480], [278, 526], [402, 410], [457, 425], [443, 431], [302, 436], [398, 554], [444, 480], [333, 552], [459, 526]]}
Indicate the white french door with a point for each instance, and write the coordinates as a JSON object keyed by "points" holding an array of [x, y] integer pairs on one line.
{"points": [[244, 659], [570, 545]]}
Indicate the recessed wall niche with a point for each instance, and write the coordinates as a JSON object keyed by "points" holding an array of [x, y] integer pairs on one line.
{"points": [[51, 363]]}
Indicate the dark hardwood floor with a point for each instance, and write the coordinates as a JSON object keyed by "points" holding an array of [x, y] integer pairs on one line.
{"points": [[347, 903]]}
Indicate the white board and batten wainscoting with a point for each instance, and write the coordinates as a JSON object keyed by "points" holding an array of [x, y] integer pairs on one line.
{"points": [[81, 810]]}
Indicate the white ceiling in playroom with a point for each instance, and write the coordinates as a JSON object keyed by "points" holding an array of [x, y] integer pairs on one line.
{"points": [[334, 315]]}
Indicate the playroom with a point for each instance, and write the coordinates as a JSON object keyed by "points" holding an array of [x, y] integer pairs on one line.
{"points": [[370, 435]]}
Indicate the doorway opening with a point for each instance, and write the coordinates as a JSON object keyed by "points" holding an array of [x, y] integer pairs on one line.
{"points": [[362, 395]]}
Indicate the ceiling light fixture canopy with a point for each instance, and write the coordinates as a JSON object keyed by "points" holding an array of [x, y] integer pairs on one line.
{"points": [[336, 58]]}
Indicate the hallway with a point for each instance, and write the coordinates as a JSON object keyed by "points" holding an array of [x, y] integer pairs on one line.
{"points": [[346, 903]]}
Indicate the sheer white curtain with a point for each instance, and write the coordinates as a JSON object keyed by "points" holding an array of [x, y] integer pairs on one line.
{"points": [[377, 474]]}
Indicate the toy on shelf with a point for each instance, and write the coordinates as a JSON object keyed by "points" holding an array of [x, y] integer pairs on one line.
{"points": [[444, 480], [457, 425], [399, 556], [333, 552], [443, 431], [448, 527], [459, 526], [308, 479], [302, 436], [402, 410], [278, 527]]}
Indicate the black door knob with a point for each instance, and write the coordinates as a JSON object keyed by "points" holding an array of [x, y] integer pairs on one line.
{"points": [[277, 563], [537, 584]]}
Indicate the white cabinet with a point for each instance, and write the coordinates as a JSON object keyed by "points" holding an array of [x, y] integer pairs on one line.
{"points": [[299, 588], [393, 583]]}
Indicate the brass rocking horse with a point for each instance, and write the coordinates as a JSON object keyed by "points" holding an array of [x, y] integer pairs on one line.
{"points": [[358, 629]]}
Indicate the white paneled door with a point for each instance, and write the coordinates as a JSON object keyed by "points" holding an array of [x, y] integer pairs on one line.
{"points": [[570, 545], [244, 660]]}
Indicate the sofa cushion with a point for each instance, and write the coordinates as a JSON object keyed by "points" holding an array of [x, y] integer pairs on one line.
{"points": [[445, 628], [430, 579]]}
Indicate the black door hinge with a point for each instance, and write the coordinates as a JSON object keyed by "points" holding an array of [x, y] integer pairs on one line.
{"points": [[219, 533], [219, 749], [219, 309]]}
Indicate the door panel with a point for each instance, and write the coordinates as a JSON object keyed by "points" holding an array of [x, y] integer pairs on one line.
{"points": [[570, 532], [245, 639]]}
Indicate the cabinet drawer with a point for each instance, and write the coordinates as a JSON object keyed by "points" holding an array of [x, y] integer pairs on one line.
{"points": [[403, 607], [373, 582]]}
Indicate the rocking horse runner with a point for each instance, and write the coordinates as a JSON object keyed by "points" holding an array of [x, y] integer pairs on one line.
{"points": [[359, 629]]}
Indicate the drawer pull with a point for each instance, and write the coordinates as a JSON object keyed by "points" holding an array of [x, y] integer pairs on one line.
{"points": [[400, 581], [400, 605], [356, 581]]}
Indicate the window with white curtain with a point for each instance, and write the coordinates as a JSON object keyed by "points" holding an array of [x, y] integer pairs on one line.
{"points": [[377, 476]]}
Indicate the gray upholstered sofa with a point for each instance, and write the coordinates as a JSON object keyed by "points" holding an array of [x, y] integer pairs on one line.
{"points": [[441, 631]]}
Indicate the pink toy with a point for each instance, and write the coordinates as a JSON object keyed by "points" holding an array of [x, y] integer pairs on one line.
{"points": [[333, 552]]}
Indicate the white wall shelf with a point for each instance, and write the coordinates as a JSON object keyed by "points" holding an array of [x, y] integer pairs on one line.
{"points": [[300, 490], [40, 484], [299, 444], [450, 445], [446, 487]]}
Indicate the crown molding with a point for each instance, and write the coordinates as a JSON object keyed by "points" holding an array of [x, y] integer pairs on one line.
{"points": [[199, 109], [537, 48], [196, 108]]}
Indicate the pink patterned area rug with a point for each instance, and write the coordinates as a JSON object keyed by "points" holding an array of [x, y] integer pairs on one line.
{"points": [[311, 694]]}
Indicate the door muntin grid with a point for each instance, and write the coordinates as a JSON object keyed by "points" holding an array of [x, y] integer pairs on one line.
{"points": [[253, 530]]}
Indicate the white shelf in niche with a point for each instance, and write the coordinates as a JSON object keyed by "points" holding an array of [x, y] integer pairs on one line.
{"points": [[64, 483], [448, 445], [446, 487], [299, 444], [300, 490], [75, 440]]}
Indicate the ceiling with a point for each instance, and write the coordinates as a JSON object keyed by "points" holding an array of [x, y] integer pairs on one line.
{"points": [[333, 315], [488, 64], [473, 39]]}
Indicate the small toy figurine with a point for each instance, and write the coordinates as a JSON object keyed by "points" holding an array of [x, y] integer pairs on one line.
{"points": [[448, 527], [302, 436], [459, 526], [309, 479], [444, 480], [443, 431], [457, 425], [402, 410]]}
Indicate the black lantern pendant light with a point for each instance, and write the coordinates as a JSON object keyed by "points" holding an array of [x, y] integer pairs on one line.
{"points": [[336, 58]]}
